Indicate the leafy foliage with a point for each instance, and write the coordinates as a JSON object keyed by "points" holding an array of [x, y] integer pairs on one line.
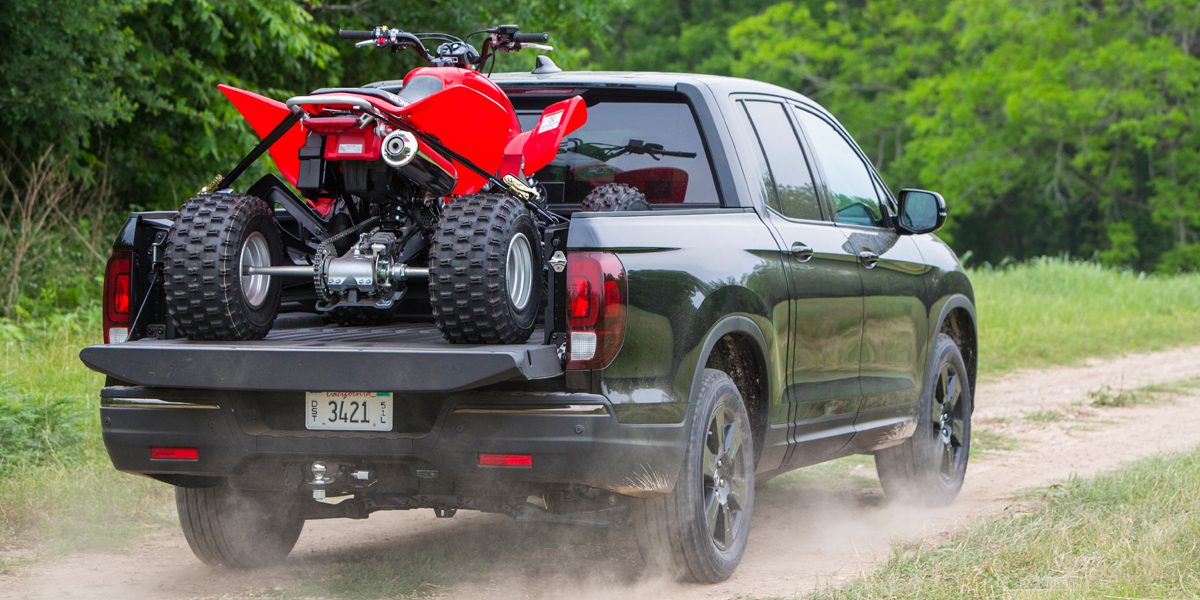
{"points": [[1067, 126]]}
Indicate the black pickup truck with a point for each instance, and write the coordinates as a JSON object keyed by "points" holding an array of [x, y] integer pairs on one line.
{"points": [[771, 305]]}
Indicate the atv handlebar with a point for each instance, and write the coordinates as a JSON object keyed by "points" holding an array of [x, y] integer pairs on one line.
{"points": [[356, 34], [531, 38], [451, 51]]}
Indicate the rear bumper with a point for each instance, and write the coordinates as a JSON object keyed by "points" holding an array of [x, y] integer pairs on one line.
{"points": [[573, 439]]}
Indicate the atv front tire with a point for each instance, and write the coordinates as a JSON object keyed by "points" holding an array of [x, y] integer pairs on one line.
{"points": [[214, 236], [226, 528], [486, 270], [614, 197]]}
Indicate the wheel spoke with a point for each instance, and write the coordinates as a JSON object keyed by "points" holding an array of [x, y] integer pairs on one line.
{"points": [[727, 519], [950, 400], [719, 429], [957, 431], [737, 492], [710, 461], [732, 442], [947, 462], [711, 508]]}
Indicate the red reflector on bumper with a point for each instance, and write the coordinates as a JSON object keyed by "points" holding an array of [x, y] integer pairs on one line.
{"points": [[506, 460], [174, 454]]}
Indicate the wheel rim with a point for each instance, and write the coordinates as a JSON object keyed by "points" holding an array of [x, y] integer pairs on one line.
{"points": [[724, 482], [518, 271], [949, 423], [255, 253]]}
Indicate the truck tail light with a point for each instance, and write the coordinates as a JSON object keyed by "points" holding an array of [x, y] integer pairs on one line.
{"points": [[174, 454], [596, 297], [523, 461], [117, 298]]}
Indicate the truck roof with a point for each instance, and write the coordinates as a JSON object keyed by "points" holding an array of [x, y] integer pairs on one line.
{"points": [[647, 80]]}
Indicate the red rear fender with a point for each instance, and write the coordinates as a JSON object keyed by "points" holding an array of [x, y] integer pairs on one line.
{"points": [[539, 145], [264, 114]]}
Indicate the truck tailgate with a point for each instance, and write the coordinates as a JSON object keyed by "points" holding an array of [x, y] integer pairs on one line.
{"points": [[401, 357]]}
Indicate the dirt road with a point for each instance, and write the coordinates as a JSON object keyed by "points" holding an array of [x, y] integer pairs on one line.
{"points": [[805, 535]]}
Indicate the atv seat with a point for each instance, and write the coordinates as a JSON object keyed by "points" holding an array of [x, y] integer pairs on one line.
{"points": [[366, 91]]}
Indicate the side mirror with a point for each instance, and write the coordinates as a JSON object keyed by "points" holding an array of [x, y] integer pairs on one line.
{"points": [[921, 211]]}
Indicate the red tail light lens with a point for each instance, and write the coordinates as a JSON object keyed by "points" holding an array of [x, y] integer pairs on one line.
{"points": [[524, 461], [174, 454], [117, 298], [596, 298], [327, 125]]}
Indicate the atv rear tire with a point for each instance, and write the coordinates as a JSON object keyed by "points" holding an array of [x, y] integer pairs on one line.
{"points": [[207, 296], [486, 270], [614, 197], [241, 531]]}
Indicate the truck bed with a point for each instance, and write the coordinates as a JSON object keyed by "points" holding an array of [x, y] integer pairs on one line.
{"points": [[301, 353]]}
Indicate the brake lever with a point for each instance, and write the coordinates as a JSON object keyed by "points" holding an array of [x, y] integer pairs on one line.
{"points": [[364, 43], [542, 47]]}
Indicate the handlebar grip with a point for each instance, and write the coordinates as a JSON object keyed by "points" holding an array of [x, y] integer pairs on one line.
{"points": [[531, 38], [355, 34]]}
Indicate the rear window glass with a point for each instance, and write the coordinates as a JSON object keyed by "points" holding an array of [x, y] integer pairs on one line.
{"points": [[653, 146]]}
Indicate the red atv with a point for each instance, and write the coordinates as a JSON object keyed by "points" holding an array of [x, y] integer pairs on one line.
{"points": [[430, 181]]}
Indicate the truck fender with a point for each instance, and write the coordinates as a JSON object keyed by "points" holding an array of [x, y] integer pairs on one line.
{"points": [[730, 324]]}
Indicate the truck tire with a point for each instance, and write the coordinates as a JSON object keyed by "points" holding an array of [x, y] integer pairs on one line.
{"points": [[486, 270], [240, 531], [699, 531], [613, 197], [207, 296], [928, 469]]}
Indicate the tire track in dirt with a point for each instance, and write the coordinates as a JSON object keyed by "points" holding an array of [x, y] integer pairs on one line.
{"points": [[805, 536]]}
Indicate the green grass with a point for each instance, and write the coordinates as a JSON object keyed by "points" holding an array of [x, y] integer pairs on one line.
{"points": [[1051, 312], [985, 441], [1045, 416], [60, 492], [1131, 534]]}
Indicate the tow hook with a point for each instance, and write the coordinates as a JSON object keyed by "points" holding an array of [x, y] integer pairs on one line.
{"points": [[319, 480], [324, 476]]}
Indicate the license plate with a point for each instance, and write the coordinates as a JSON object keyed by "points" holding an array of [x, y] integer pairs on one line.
{"points": [[348, 411]]}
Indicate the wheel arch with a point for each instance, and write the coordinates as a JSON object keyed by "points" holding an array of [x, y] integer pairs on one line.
{"points": [[957, 319], [736, 345]]}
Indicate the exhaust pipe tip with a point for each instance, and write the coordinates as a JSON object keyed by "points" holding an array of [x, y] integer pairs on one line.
{"points": [[399, 148]]}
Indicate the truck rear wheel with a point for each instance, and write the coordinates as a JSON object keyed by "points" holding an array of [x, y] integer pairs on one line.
{"points": [[240, 531], [699, 531], [486, 270], [215, 236], [928, 469], [614, 197]]}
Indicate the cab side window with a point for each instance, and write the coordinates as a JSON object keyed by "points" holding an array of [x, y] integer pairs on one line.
{"points": [[793, 193], [854, 195]]}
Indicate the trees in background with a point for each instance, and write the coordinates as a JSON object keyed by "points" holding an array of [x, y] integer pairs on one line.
{"points": [[116, 101], [1056, 126], [1060, 126]]}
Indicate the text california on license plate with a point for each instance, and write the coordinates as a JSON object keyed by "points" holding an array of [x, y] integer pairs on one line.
{"points": [[348, 411]]}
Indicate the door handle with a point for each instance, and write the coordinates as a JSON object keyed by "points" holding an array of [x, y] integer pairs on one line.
{"points": [[868, 259], [802, 252]]}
